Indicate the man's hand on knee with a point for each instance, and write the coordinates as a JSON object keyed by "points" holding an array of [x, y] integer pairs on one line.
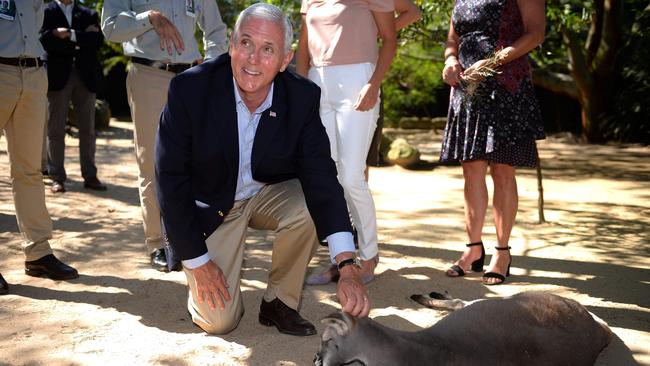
{"points": [[211, 285]]}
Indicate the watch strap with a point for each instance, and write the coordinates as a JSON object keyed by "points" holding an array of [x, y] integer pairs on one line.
{"points": [[347, 262]]}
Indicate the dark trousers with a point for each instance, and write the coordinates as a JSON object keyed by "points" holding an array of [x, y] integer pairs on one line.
{"points": [[83, 102]]}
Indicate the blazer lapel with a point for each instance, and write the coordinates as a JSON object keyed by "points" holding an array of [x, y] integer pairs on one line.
{"points": [[76, 13], [224, 113], [61, 19], [270, 123]]}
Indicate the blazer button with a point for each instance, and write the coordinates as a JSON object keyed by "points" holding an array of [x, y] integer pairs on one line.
{"points": [[220, 213]]}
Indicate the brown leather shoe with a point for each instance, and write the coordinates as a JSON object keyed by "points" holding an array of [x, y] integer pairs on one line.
{"points": [[284, 318], [57, 187], [94, 184]]}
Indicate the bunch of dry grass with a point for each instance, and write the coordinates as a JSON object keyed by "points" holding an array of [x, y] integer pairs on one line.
{"points": [[472, 77]]}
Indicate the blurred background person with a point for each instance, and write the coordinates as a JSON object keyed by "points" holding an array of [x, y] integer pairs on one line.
{"points": [[23, 100], [71, 38]]}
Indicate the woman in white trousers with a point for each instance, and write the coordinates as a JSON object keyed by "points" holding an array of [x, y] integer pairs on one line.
{"points": [[338, 51]]}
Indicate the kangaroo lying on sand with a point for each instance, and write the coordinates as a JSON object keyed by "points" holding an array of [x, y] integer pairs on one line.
{"points": [[530, 328]]}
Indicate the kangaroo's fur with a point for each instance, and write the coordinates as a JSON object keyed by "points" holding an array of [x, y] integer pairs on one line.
{"points": [[530, 328]]}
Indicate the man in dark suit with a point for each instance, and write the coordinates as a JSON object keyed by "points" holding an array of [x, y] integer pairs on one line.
{"points": [[239, 141], [71, 37]]}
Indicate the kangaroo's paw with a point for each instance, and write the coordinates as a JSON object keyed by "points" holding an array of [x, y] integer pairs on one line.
{"points": [[436, 300]]}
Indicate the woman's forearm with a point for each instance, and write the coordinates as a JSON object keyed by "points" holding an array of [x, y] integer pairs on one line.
{"points": [[534, 21], [386, 25]]}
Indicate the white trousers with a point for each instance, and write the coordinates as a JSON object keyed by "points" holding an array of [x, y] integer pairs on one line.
{"points": [[350, 133]]}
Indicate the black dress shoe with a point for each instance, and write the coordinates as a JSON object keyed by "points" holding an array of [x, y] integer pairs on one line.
{"points": [[94, 184], [50, 266], [159, 260], [4, 286], [284, 318], [57, 187]]}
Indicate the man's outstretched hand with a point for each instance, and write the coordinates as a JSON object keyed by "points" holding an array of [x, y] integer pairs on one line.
{"points": [[352, 293]]}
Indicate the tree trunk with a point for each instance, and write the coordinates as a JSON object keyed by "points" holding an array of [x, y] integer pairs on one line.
{"points": [[592, 64]]}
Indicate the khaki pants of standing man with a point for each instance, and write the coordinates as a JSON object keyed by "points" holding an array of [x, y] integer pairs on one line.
{"points": [[147, 92], [23, 100], [281, 208]]}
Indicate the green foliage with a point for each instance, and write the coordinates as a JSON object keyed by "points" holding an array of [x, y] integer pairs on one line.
{"points": [[410, 86], [413, 84], [627, 114], [570, 14], [230, 9], [431, 31]]}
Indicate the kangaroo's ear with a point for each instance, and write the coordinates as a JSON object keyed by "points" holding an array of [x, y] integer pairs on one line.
{"points": [[340, 322]]}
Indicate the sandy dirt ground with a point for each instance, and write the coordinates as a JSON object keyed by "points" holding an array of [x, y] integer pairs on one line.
{"points": [[594, 249]]}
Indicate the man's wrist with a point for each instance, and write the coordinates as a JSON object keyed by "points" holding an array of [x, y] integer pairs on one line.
{"points": [[349, 262], [151, 16], [351, 269], [343, 256]]}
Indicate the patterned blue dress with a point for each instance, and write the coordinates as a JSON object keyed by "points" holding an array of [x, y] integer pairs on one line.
{"points": [[501, 120]]}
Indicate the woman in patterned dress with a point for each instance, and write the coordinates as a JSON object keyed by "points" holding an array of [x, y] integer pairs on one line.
{"points": [[493, 122]]}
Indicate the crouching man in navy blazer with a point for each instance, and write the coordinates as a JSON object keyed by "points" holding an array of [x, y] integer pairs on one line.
{"points": [[240, 143]]}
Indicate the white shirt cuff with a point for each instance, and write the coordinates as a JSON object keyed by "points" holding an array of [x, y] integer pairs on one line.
{"points": [[196, 262], [143, 19], [73, 35], [340, 242]]}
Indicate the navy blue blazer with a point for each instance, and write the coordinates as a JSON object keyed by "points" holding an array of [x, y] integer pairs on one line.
{"points": [[197, 154], [62, 54]]}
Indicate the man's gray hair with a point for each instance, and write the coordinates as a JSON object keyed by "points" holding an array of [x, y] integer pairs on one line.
{"points": [[267, 12]]}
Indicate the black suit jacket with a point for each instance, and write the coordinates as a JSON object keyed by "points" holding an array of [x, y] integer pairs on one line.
{"points": [[197, 153], [63, 54]]}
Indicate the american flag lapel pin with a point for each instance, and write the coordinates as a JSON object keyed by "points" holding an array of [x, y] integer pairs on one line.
{"points": [[272, 114]]}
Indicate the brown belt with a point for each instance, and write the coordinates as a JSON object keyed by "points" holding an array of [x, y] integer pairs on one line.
{"points": [[175, 68], [22, 61]]}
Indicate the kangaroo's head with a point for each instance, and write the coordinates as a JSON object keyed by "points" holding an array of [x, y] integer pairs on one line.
{"points": [[338, 343]]}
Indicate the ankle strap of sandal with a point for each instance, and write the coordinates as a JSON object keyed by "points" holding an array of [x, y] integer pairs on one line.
{"points": [[502, 248], [474, 244]]}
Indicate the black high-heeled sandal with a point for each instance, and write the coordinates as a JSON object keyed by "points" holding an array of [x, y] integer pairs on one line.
{"points": [[476, 266], [496, 275]]}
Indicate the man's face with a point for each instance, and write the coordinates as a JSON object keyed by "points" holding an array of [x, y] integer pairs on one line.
{"points": [[257, 55]]}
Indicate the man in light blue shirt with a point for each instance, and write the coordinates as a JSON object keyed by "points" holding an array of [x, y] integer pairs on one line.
{"points": [[161, 44], [22, 118]]}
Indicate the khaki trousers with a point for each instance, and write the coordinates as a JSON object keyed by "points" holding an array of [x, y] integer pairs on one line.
{"points": [[147, 92], [279, 207], [23, 100]]}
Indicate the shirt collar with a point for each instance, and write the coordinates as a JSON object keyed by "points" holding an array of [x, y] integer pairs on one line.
{"points": [[265, 104], [63, 6]]}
